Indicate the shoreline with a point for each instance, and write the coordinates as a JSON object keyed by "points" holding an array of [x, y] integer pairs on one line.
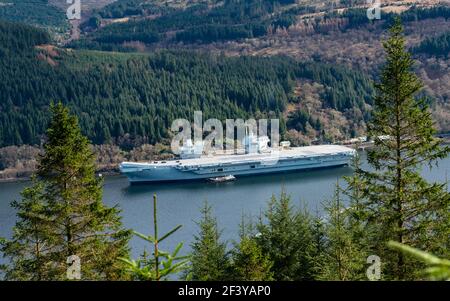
{"points": [[28, 179], [15, 180], [114, 171]]}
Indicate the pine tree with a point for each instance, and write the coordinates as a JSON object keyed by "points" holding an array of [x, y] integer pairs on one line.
{"points": [[287, 237], [249, 263], [319, 243], [397, 200], [31, 240], [344, 258], [160, 265], [68, 195], [209, 258]]}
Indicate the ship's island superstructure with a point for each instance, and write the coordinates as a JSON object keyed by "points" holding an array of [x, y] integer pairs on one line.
{"points": [[257, 158]]}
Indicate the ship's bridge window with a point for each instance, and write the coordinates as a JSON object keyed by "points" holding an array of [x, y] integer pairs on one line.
{"points": [[220, 169]]}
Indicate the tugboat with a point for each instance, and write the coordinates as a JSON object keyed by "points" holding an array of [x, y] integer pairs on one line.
{"points": [[222, 179]]}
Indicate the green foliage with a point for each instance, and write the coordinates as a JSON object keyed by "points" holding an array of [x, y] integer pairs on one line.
{"points": [[125, 8], [344, 253], [209, 258], [28, 248], [416, 13], [194, 23], [301, 119], [213, 33], [233, 20], [357, 17], [249, 262], [62, 214], [286, 236], [131, 99], [161, 265], [18, 38], [438, 269], [33, 12], [396, 200], [438, 46]]}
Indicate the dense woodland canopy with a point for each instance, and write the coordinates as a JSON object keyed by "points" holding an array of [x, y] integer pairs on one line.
{"points": [[116, 94], [137, 96], [18, 38], [126, 8], [439, 46], [357, 17], [230, 20], [233, 19], [36, 12]]}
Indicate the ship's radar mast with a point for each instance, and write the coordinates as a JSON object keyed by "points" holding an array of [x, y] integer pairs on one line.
{"points": [[191, 150], [254, 144]]}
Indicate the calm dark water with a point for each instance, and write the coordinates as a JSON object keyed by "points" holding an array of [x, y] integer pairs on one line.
{"points": [[180, 203]]}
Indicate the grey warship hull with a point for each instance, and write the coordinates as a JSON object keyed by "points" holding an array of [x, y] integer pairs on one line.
{"points": [[295, 159]]}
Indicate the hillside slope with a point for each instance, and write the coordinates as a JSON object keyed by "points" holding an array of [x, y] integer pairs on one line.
{"points": [[137, 96], [232, 62]]}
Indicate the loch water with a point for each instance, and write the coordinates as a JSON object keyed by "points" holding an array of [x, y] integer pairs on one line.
{"points": [[180, 203]]}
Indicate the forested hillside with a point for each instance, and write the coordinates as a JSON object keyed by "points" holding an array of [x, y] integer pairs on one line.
{"points": [[439, 46], [201, 22], [34, 12], [347, 37], [289, 59], [140, 95], [127, 8], [206, 22], [19, 39]]}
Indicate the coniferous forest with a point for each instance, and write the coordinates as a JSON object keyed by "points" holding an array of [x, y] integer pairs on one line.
{"points": [[71, 104], [139, 94]]}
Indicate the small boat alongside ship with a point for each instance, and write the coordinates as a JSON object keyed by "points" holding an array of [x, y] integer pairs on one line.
{"points": [[257, 159], [228, 178]]}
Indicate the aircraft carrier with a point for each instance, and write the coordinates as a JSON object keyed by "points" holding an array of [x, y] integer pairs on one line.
{"points": [[257, 159]]}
